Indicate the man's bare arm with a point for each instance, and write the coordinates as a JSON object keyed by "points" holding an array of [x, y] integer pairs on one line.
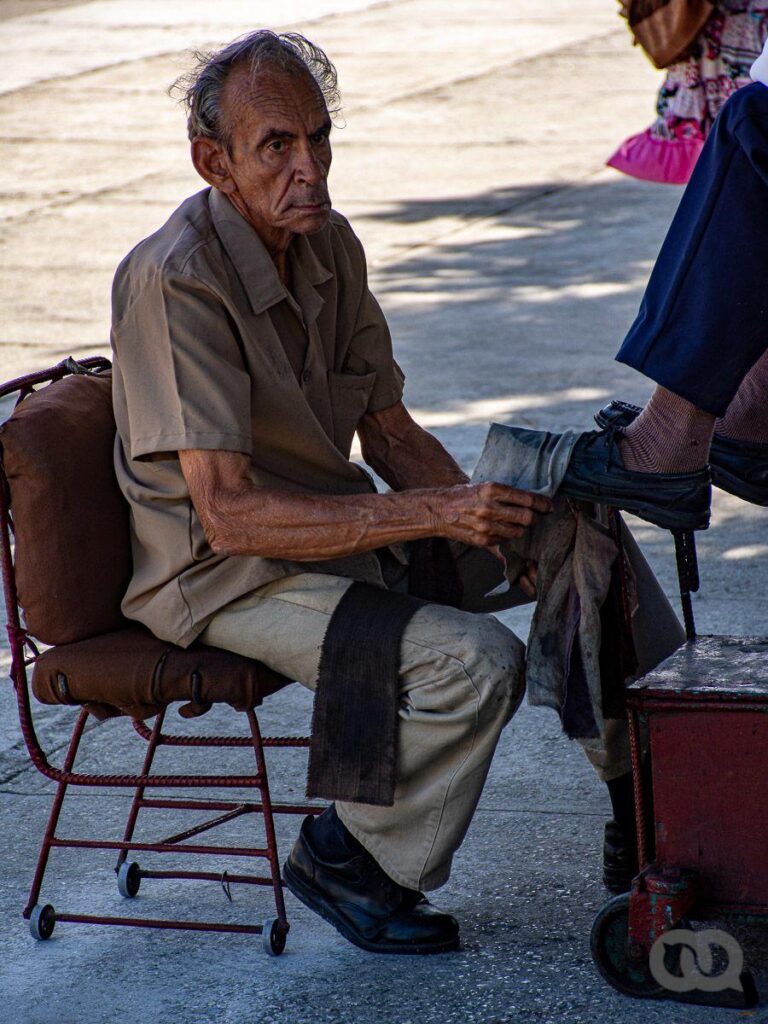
{"points": [[403, 453], [241, 518]]}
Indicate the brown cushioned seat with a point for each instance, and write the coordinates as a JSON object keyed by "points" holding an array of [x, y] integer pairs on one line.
{"points": [[73, 564], [133, 673]]}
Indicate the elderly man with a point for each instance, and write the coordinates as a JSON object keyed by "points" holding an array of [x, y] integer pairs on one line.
{"points": [[248, 351]]}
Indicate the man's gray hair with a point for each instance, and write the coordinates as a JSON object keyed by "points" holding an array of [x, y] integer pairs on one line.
{"points": [[201, 88]]}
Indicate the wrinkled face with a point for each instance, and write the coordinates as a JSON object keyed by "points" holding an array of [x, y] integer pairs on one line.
{"points": [[280, 151]]}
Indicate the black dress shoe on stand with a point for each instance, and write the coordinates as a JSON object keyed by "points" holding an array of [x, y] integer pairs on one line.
{"points": [[739, 467], [675, 501], [349, 889]]}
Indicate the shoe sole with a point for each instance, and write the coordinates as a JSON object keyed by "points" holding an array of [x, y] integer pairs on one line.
{"points": [[668, 519], [738, 487], [308, 897]]}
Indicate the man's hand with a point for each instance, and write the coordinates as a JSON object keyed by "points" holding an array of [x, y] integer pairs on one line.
{"points": [[485, 514], [527, 579]]}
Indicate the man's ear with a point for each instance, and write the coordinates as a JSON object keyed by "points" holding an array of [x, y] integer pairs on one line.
{"points": [[211, 163]]}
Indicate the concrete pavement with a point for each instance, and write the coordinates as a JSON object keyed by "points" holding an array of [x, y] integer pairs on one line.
{"points": [[509, 263]]}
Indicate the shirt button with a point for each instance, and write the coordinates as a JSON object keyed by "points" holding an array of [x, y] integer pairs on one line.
{"points": [[306, 376]]}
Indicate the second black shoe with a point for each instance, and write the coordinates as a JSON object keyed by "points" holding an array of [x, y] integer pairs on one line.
{"points": [[739, 467], [675, 501], [351, 891]]}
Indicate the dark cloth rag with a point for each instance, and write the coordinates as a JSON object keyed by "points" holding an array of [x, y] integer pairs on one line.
{"points": [[353, 751]]}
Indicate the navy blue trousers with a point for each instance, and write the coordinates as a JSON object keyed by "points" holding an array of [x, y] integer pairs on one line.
{"points": [[703, 321]]}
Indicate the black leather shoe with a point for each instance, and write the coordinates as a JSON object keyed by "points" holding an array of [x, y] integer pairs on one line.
{"points": [[676, 501], [619, 858], [739, 467], [362, 902]]}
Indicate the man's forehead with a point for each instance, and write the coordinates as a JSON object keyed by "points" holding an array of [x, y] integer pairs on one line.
{"points": [[274, 96]]}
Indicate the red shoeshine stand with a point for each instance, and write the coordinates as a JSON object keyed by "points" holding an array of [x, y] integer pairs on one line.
{"points": [[703, 830]]}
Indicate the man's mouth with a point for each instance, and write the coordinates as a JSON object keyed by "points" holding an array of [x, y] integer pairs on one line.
{"points": [[312, 207]]}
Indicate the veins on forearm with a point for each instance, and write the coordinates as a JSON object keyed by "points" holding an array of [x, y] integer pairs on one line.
{"points": [[315, 528], [406, 456]]}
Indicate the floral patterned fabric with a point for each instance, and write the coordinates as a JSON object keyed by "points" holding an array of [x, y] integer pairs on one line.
{"points": [[693, 92]]}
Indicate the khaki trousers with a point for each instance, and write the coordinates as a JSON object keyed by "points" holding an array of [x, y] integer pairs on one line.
{"points": [[461, 681]]}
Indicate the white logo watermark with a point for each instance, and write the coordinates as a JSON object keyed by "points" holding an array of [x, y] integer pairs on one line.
{"points": [[696, 961]]}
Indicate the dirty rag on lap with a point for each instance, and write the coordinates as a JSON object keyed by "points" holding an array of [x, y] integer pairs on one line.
{"points": [[571, 665]]}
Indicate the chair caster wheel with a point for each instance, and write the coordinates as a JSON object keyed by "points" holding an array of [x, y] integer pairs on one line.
{"points": [[273, 935], [42, 921], [129, 879]]}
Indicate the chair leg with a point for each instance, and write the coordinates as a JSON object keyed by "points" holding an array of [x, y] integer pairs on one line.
{"points": [[139, 793], [274, 931], [269, 823], [53, 817]]}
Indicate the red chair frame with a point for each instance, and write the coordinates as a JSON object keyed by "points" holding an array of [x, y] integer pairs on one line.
{"points": [[42, 917]]}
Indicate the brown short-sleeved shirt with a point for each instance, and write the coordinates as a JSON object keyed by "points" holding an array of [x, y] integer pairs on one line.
{"points": [[212, 351]]}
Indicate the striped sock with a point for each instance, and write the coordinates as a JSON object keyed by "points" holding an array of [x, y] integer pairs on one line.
{"points": [[669, 436], [746, 418]]}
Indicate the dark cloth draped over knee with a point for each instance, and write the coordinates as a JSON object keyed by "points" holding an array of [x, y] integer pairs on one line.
{"points": [[353, 751]]}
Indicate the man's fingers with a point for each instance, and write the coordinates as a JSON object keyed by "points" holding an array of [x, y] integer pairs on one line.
{"points": [[514, 496], [493, 535], [498, 553], [528, 578], [500, 512], [486, 514]]}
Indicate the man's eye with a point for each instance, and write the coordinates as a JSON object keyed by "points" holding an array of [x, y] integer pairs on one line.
{"points": [[319, 138], [277, 146]]}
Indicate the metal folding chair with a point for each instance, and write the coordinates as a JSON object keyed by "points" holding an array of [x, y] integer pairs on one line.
{"points": [[50, 472]]}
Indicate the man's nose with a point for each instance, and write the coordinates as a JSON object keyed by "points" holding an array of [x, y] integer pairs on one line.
{"points": [[309, 169]]}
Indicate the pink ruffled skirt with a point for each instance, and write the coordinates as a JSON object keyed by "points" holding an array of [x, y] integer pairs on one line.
{"points": [[670, 161]]}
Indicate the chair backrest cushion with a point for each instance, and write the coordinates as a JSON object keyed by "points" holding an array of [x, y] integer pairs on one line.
{"points": [[71, 522]]}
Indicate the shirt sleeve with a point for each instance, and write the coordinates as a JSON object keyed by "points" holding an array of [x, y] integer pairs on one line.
{"points": [[370, 348], [182, 370]]}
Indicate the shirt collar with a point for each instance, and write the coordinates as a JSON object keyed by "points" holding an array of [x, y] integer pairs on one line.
{"points": [[254, 266]]}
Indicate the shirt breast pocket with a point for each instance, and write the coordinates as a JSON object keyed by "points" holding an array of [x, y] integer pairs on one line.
{"points": [[350, 394]]}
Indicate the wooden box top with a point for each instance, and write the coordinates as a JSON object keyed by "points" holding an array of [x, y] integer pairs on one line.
{"points": [[731, 668]]}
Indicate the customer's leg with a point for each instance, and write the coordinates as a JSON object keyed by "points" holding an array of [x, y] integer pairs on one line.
{"points": [[701, 326], [461, 681], [671, 435], [746, 418]]}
